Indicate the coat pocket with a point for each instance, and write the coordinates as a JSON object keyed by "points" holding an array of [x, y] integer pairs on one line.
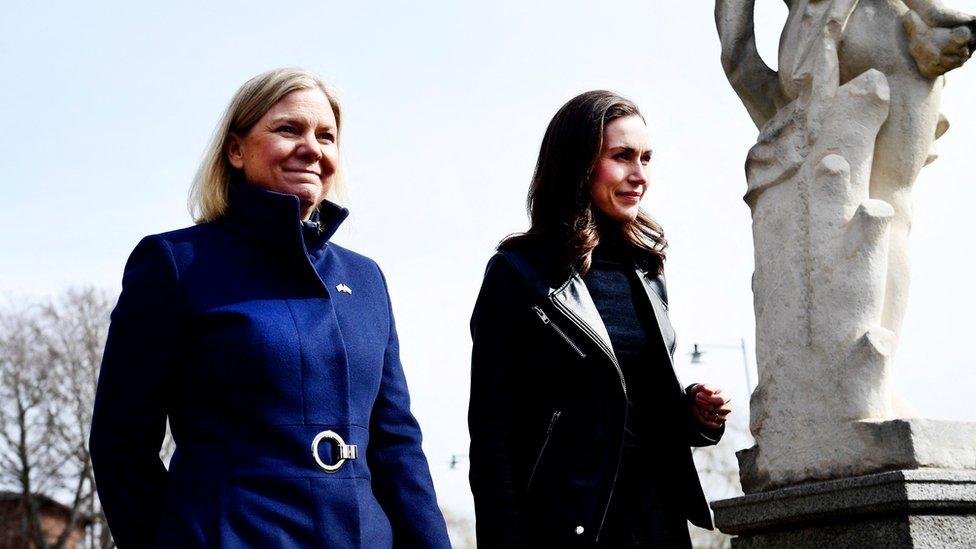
{"points": [[188, 515], [542, 449]]}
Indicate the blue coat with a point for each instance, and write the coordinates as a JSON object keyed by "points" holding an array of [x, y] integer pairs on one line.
{"points": [[237, 332]]}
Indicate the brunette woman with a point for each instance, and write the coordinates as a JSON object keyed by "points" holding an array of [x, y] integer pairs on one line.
{"points": [[580, 431]]}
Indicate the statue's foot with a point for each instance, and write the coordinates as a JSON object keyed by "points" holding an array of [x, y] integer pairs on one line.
{"points": [[938, 49]]}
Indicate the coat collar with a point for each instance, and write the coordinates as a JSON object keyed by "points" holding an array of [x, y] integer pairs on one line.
{"points": [[274, 217], [575, 299], [570, 296]]}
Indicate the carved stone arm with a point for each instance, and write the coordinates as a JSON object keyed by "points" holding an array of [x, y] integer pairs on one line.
{"points": [[939, 39], [755, 83], [935, 14]]}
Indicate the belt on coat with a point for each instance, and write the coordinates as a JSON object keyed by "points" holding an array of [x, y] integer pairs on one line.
{"points": [[282, 451]]}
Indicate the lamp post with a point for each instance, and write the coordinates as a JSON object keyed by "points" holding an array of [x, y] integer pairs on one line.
{"points": [[456, 459], [697, 352]]}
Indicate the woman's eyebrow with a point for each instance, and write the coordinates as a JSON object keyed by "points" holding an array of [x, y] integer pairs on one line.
{"points": [[290, 118], [628, 148], [296, 119]]}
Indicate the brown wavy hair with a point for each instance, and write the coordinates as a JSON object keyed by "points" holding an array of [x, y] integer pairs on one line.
{"points": [[562, 214]]}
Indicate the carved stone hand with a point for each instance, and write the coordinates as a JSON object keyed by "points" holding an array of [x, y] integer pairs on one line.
{"points": [[937, 50]]}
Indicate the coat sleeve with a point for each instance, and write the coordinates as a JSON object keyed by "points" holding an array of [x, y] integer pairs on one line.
{"points": [[498, 499], [401, 476], [129, 419], [696, 433]]}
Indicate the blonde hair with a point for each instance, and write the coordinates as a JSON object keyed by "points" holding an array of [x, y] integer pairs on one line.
{"points": [[208, 194]]}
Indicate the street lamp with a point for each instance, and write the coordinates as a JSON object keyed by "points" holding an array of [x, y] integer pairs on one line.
{"points": [[697, 352], [456, 459]]}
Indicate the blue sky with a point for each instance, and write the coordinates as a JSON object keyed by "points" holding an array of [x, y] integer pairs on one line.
{"points": [[109, 106]]}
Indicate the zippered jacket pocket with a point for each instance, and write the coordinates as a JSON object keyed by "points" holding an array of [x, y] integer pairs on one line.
{"points": [[542, 450], [559, 331]]}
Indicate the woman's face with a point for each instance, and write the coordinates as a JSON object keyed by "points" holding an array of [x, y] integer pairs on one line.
{"points": [[292, 148], [619, 177]]}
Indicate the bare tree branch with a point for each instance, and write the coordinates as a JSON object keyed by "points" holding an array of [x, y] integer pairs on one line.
{"points": [[718, 470], [50, 354]]}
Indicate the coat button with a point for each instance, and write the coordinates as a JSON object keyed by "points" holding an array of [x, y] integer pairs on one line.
{"points": [[579, 530]]}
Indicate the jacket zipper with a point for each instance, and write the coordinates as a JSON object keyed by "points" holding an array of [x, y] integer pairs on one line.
{"points": [[545, 443], [593, 335], [545, 320], [623, 384]]}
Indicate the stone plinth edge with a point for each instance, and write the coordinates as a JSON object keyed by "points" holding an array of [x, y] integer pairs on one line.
{"points": [[889, 494]]}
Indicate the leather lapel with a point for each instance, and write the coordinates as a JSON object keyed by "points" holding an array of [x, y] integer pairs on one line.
{"points": [[656, 294], [574, 298]]}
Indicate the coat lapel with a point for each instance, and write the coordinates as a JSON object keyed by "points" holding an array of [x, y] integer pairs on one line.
{"points": [[574, 299], [657, 295]]}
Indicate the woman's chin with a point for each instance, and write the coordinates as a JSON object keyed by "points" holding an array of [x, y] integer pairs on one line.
{"points": [[622, 215], [307, 193]]}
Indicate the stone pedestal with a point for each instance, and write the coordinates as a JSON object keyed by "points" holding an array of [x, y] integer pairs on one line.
{"points": [[855, 448], [931, 508]]}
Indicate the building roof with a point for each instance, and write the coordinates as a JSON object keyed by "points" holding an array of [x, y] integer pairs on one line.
{"points": [[47, 504]]}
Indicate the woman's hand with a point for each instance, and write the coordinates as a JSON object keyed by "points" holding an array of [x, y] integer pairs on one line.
{"points": [[709, 406]]}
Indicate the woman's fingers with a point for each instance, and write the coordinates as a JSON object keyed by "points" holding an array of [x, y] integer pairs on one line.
{"points": [[716, 401], [707, 389], [712, 422], [709, 419], [714, 407], [710, 396], [711, 407]]}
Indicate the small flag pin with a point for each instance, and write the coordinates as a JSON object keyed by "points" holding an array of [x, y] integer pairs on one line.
{"points": [[344, 289]]}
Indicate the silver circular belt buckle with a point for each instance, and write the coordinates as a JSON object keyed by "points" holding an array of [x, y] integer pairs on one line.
{"points": [[345, 451]]}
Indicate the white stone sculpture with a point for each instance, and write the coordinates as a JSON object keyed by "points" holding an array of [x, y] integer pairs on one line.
{"points": [[845, 126]]}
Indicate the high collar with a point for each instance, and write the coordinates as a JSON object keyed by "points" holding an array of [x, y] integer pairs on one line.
{"points": [[612, 252], [274, 217]]}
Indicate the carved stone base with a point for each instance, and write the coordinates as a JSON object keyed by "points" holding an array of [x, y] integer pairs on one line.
{"points": [[865, 447], [932, 508]]}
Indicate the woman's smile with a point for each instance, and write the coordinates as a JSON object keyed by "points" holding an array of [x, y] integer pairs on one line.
{"points": [[619, 178], [629, 197], [311, 176], [292, 149]]}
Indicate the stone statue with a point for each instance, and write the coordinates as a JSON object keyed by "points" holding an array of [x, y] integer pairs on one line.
{"points": [[845, 126]]}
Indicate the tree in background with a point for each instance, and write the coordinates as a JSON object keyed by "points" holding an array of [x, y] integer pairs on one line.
{"points": [[460, 529], [719, 473], [50, 353], [27, 461]]}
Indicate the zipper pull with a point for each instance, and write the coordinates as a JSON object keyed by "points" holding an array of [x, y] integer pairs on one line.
{"points": [[542, 314], [552, 422]]}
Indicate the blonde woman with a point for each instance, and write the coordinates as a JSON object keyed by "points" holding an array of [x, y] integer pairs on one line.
{"points": [[271, 350]]}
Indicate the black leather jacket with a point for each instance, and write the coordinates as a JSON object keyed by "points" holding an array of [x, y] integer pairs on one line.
{"points": [[548, 406]]}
